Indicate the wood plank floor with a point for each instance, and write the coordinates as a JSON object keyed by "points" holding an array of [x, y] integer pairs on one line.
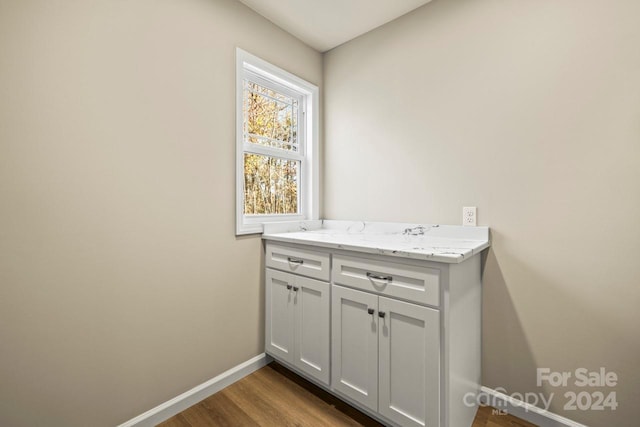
{"points": [[274, 396]]}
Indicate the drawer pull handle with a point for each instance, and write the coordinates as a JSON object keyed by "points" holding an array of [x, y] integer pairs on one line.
{"points": [[378, 277], [289, 287], [370, 310], [295, 289], [294, 260], [381, 314]]}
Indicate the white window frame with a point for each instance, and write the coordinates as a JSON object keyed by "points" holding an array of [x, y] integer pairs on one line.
{"points": [[259, 70]]}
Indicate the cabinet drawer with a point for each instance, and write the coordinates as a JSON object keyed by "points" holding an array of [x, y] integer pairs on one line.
{"points": [[297, 260], [409, 282]]}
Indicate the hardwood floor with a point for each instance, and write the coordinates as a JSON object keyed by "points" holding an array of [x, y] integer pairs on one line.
{"points": [[274, 396], [487, 418]]}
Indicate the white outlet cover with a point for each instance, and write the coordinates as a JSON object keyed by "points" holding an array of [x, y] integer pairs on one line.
{"points": [[469, 216]]}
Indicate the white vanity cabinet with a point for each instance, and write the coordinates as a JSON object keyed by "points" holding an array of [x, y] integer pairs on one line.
{"points": [[386, 356], [395, 334], [297, 322]]}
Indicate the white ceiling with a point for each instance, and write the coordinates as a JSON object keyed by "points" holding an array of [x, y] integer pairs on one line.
{"points": [[325, 24]]}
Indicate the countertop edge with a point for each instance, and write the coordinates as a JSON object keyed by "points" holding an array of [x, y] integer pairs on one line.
{"points": [[445, 258]]}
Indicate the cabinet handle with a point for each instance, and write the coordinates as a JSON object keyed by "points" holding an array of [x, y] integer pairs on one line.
{"points": [[289, 287], [381, 314], [295, 289], [294, 260], [378, 277], [370, 310]]}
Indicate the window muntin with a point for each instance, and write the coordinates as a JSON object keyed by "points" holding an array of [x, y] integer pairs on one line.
{"points": [[270, 117], [272, 147], [277, 145]]}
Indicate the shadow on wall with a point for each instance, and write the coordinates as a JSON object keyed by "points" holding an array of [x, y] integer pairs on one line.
{"points": [[513, 307], [502, 329], [261, 286]]}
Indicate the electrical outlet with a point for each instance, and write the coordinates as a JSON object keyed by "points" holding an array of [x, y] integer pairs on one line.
{"points": [[469, 216]]}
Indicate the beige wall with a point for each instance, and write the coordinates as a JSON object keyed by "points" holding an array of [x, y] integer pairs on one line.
{"points": [[529, 110], [122, 284]]}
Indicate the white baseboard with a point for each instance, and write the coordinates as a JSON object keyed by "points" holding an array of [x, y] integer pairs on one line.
{"points": [[527, 412], [189, 398]]}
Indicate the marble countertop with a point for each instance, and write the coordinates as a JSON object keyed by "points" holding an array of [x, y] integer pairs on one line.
{"points": [[441, 243]]}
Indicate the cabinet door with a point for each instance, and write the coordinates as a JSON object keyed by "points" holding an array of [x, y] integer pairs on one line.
{"points": [[311, 353], [409, 363], [354, 339], [279, 315]]}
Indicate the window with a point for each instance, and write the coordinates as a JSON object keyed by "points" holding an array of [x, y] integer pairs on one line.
{"points": [[276, 137]]}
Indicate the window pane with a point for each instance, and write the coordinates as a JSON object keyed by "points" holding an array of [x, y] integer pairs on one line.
{"points": [[270, 185], [270, 118]]}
